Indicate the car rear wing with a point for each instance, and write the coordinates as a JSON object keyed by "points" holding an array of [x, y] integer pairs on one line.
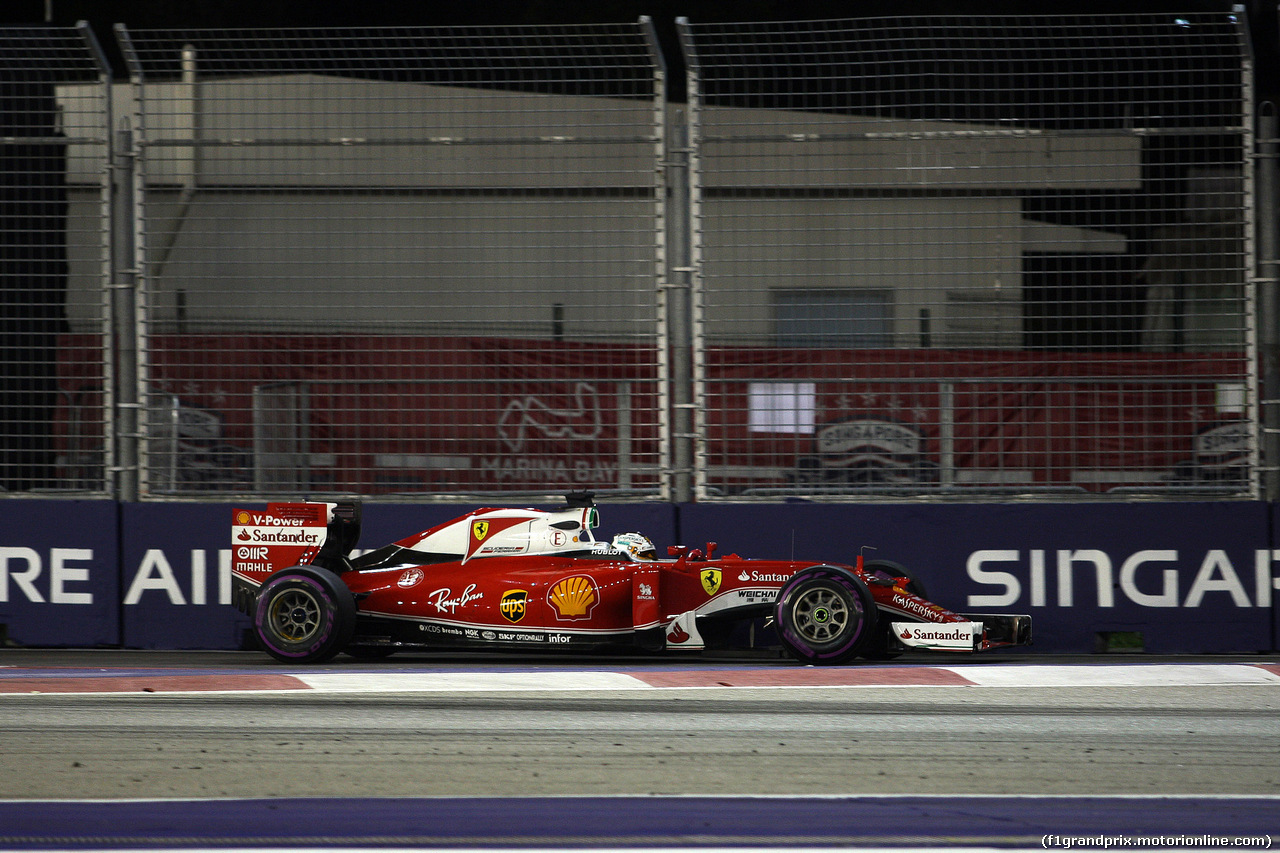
{"points": [[292, 534]]}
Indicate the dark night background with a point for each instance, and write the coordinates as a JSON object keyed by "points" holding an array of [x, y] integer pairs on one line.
{"points": [[231, 14]]}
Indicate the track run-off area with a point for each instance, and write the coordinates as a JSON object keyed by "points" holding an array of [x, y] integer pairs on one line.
{"points": [[391, 679], [228, 750]]}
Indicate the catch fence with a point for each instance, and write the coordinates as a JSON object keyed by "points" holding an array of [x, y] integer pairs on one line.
{"points": [[55, 351], [974, 255], [857, 259], [401, 261]]}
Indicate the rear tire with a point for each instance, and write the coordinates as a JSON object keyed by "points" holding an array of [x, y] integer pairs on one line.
{"points": [[304, 615], [824, 615]]}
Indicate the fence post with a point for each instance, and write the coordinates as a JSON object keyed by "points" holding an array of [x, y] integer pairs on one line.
{"points": [[1268, 303], [124, 280], [111, 340], [124, 313], [679, 307]]}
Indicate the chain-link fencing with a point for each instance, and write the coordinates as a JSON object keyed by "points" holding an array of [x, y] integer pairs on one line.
{"points": [[400, 261], [909, 257], [55, 353], [974, 256]]}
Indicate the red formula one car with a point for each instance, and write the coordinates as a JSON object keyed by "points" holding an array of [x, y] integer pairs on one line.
{"points": [[533, 580]]}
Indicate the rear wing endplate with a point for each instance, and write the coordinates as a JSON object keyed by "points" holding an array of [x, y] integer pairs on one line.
{"points": [[292, 534]]}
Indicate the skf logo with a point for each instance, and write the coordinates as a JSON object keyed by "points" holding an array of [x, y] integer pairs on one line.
{"points": [[574, 597], [479, 530], [514, 604], [711, 581]]}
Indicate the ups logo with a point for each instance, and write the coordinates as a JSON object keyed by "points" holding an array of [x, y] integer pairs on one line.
{"points": [[514, 604]]}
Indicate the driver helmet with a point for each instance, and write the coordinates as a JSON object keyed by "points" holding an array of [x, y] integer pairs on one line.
{"points": [[635, 544]]}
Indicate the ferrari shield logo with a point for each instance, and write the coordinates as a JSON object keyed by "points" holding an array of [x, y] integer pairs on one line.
{"points": [[711, 581], [479, 530]]}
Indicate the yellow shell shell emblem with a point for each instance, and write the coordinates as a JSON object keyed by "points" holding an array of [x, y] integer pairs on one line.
{"points": [[711, 581], [574, 597]]}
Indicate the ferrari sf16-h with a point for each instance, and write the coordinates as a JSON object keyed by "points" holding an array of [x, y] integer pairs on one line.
{"points": [[534, 580]]}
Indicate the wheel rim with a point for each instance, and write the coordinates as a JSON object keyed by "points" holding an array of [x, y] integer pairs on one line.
{"points": [[295, 615], [820, 615]]}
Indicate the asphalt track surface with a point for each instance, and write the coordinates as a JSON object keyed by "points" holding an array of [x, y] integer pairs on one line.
{"points": [[222, 750]]}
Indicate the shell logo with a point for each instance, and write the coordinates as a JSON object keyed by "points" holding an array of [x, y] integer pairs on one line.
{"points": [[574, 597]]}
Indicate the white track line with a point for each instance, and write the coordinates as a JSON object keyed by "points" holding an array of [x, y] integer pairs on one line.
{"points": [[467, 682], [1103, 675], [1008, 676]]}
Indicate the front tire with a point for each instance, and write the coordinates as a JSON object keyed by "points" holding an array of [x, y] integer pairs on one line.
{"points": [[825, 615], [304, 615]]}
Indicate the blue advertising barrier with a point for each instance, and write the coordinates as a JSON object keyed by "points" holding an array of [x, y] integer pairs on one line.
{"points": [[1274, 532], [1187, 577], [1181, 578], [59, 576]]}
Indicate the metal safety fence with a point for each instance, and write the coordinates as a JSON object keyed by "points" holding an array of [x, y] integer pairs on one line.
{"points": [[400, 261], [55, 353], [855, 259], [973, 255]]}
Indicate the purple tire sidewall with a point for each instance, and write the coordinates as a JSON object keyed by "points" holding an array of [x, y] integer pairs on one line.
{"points": [[321, 594], [803, 577]]}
